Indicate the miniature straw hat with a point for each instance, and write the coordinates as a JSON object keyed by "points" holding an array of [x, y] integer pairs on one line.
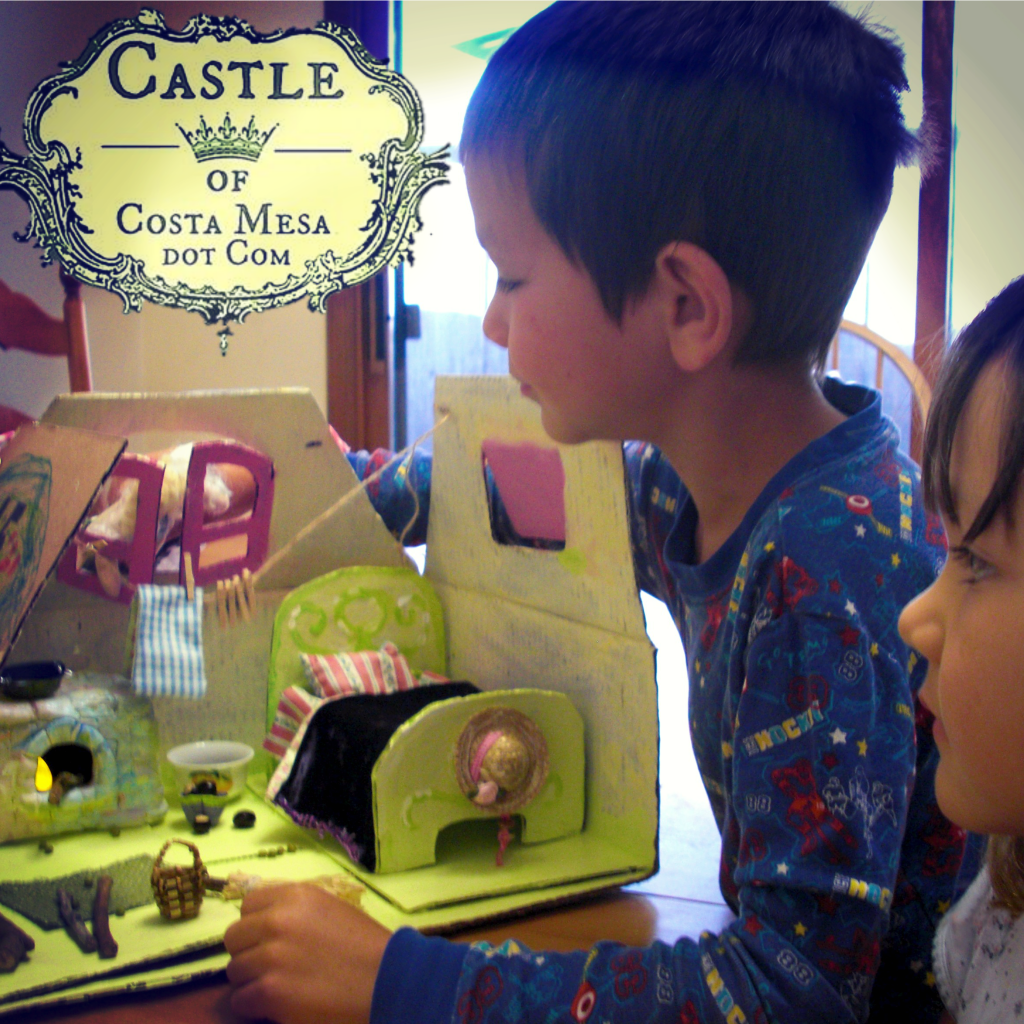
{"points": [[501, 760]]}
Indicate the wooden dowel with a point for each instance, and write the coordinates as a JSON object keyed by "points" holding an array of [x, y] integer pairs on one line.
{"points": [[73, 923], [15, 945], [101, 919]]}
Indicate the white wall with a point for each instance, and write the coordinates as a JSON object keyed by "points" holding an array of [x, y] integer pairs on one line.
{"points": [[988, 198], [885, 296], [987, 249], [158, 349]]}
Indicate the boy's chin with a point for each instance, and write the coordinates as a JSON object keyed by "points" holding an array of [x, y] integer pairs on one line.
{"points": [[563, 431]]}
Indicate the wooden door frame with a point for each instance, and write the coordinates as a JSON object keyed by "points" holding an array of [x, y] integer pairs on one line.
{"points": [[359, 388], [930, 335]]}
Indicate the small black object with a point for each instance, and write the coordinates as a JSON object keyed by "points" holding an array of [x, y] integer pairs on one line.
{"points": [[46, 846], [203, 788], [201, 824], [31, 680], [244, 819]]}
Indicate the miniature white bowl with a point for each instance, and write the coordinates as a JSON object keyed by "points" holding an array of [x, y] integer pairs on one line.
{"points": [[221, 763]]}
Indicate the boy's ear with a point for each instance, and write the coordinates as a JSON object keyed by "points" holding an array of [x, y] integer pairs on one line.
{"points": [[698, 304]]}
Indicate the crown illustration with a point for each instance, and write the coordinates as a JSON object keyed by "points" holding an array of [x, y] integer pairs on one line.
{"points": [[226, 141]]}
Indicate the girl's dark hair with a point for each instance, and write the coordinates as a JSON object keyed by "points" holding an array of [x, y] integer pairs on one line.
{"points": [[1006, 872], [996, 332], [766, 133]]}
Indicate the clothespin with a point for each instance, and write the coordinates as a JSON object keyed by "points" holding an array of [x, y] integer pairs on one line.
{"points": [[190, 580], [222, 604], [246, 594]]}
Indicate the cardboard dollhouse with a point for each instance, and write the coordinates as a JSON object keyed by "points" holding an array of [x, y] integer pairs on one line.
{"points": [[512, 619]]}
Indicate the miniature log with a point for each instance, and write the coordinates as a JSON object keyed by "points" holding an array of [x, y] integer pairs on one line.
{"points": [[73, 923], [61, 784], [14, 945], [101, 918]]}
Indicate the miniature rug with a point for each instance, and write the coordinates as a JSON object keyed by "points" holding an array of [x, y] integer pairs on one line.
{"points": [[37, 899]]}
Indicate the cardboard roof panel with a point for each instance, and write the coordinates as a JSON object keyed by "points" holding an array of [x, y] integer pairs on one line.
{"points": [[48, 478]]}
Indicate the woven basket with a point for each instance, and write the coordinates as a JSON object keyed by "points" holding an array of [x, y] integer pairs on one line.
{"points": [[178, 890]]}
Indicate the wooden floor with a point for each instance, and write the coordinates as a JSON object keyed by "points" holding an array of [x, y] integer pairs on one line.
{"points": [[683, 899]]}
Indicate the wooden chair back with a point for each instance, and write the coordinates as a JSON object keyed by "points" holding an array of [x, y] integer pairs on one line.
{"points": [[25, 325], [860, 355]]}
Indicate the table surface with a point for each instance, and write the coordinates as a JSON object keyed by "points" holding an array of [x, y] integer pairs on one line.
{"points": [[626, 916]]}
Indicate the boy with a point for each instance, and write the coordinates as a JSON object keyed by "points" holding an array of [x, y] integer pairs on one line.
{"points": [[678, 199]]}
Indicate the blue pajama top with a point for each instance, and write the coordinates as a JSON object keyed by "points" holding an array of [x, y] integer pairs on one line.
{"points": [[815, 754]]}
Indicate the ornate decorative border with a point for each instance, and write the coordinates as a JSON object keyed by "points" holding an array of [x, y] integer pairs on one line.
{"points": [[402, 172]]}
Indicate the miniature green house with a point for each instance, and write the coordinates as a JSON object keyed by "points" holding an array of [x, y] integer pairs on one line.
{"points": [[96, 725]]}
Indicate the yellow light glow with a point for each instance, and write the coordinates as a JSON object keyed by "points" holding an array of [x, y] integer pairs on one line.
{"points": [[44, 777]]}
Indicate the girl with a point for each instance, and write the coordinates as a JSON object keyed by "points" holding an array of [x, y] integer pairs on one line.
{"points": [[970, 626]]}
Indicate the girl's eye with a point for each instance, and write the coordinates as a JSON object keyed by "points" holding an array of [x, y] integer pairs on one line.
{"points": [[976, 566], [505, 286]]}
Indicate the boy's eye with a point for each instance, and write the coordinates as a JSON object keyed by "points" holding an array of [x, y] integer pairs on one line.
{"points": [[976, 566], [505, 285]]}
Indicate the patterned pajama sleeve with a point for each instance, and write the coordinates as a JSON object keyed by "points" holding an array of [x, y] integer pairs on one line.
{"points": [[819, 757], [401, 497], [401, 494]]}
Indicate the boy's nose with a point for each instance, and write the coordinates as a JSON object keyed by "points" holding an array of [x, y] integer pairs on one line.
{"points": [[920, 626]]}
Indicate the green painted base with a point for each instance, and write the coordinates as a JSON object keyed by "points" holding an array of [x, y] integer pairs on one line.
{"points": [[57, 971]]}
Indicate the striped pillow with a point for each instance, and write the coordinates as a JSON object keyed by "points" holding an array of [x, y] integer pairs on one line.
{"points": [[341, 675]]}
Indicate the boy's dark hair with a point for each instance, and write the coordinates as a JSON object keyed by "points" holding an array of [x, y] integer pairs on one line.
{"points": [[996, 332], [766, 133]]}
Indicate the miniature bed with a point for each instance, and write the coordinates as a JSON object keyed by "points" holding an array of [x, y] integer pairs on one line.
{"points": [[513, 620]]}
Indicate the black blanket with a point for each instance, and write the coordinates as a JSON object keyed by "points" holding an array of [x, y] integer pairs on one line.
{"points": [[328, 787]]}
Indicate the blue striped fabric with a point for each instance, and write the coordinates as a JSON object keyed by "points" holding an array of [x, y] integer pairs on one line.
{"points": [[169, 643]]}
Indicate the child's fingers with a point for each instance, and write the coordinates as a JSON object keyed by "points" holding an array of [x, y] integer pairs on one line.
{"points": [[269, 895], [246, 933], [249, 964]]}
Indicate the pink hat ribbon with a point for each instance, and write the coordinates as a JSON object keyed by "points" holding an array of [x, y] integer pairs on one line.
{"points": [[481, 752]]}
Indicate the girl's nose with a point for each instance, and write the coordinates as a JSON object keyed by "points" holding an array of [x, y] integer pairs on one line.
{"points": [[495, 325], [920, 625]]}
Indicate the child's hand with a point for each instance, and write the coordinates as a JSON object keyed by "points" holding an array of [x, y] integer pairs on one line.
{"points": [[301, 956]]}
